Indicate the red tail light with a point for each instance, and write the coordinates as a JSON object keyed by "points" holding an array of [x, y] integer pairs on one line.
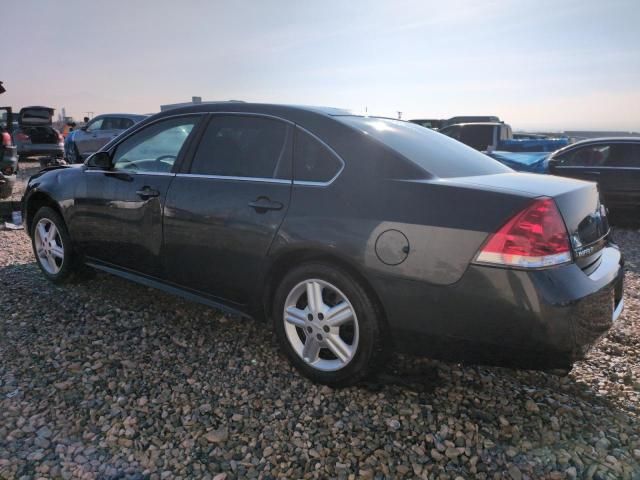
{"points": [[6, 139], [534, 238], [23, 137]]}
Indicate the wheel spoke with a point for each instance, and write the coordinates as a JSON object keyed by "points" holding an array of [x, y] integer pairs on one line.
{"points": [[295, 316], [53, 232], [311, 349], [314, 297], [339, 348], [42, 232], [52, 263], [57, 251], [339, 314]]}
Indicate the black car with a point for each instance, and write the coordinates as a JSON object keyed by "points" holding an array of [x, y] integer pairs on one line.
{"points": [[353, 235], [614, 163]]}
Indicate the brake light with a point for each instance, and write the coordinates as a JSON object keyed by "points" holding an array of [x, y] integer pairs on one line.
{"points": [[23, 137], [536, 237], [6, 139]]}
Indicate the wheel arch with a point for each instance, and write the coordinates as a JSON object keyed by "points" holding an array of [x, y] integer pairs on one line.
{"points": [[285, 261], [35, 202]]}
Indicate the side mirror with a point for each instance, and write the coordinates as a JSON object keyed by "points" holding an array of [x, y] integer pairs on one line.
{"points": [[101, 160]]}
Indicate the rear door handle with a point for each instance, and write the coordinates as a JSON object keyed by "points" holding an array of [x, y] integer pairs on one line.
{"points": [[262, 204], [147, 192]]}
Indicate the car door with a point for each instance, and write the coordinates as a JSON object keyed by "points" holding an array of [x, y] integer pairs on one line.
{"points": [[117, 218], [85, 138], [224, 210], [620, 176], [582, 162]]}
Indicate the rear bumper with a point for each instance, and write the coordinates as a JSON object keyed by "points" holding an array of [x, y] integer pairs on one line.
{"points": [[539, 319], [40, 149]]}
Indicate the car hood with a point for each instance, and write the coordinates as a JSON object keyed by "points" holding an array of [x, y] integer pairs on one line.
{"points": [[34, 116]]}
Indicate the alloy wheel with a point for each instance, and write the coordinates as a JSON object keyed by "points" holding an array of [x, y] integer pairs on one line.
{"points": [[49, 247], [321, 325]]}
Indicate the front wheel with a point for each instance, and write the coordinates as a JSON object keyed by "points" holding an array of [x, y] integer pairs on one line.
{"points": [[328, 325], [52, 246]]}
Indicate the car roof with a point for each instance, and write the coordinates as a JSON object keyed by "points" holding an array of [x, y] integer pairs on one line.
{"points": [[590, 141], [255, 108], [121, 115], [474, 123]]}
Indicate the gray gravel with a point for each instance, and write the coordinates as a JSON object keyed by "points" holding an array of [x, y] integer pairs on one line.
{"points": [[108, 379]]}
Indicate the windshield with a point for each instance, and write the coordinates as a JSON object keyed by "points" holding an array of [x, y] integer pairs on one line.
{"points": [[438, 154]]}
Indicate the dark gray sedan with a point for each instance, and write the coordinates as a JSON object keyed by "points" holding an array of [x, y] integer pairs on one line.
{"points": [[352, 235]]}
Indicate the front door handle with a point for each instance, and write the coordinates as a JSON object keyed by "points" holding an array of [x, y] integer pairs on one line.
{"points": [[147, 192], [262, 204]]}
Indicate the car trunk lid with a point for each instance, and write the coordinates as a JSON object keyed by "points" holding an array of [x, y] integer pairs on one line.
{"points": [[577, 201], [35, 116]]}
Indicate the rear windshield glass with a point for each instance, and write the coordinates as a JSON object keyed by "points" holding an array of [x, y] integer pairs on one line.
{"points": [[436, 153]]}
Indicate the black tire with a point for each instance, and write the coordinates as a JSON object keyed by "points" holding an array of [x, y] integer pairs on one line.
{"points": [[71, 267], [371, 351], [74, 155]]}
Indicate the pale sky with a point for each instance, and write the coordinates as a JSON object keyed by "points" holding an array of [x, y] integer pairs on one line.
{"points": [[558, 65]]}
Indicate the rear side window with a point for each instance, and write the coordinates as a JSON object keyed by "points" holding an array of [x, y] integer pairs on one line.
{"points": [[477, 136], [624, 155], [313, 161], [435, 153], [244, 146]]}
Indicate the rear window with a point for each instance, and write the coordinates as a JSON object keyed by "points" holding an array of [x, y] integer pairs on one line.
{"points": [[438, 154]]}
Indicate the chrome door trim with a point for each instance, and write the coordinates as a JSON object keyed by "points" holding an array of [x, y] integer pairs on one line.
{"points": [[242, 179]]}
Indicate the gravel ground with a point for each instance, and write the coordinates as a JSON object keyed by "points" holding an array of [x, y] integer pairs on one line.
{"points": [[108, 379]]}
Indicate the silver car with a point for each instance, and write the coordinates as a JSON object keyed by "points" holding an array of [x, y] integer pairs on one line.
{"points": [[98, 132]]}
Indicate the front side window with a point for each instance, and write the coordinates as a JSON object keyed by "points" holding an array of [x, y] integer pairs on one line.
{"points": [[154, 148], [244, 146], [95, 125], [313, 162], [588, 156]]}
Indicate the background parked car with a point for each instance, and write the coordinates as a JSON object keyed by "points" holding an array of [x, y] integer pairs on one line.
{"points": [[98, 132], [35, 135], [612, 162], [8, 164]]}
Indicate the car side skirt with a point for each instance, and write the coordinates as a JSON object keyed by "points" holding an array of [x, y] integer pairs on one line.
{"points": [[173, 290]]}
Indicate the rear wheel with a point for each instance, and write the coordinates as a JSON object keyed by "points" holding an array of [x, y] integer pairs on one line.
{"points": [[52, 246], [328, 325]]}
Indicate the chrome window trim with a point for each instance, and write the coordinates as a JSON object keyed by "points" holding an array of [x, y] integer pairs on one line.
{"points": [[158, 174], [232, 178], [310, 183]]}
